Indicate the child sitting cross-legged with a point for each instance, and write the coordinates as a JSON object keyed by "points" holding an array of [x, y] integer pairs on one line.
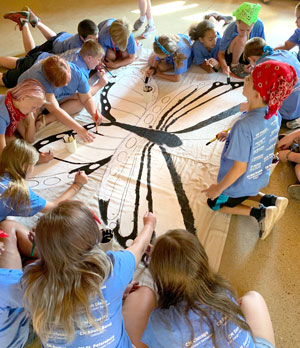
{"points": [[248, 152]]}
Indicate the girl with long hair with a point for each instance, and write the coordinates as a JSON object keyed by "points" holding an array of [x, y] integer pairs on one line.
{"points": [[172, 53], [196, 306], [74, 291], [17, 109]]}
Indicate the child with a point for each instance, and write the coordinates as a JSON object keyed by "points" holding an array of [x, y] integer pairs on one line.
{"points": [[171, 53], [257, 51], [56, 43], [247, 25], [248, 152], [118, 42], [196, 306], [16, 113], [294, 40], [84, 285], [145, 12], [54, 72], [206, 45], [289, 151]]}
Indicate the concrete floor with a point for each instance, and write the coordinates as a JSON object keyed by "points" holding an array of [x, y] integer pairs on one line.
{"points": [[270, 266]]}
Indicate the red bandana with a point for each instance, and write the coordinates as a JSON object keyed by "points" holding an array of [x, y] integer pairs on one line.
{"points": [[274, 81], [15, 115]]}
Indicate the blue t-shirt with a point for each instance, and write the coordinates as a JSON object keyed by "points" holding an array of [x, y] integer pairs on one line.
{"points": [[72, 56], [290, 108], [14, 324], [200, 52], [231, 32], [184, 46], [295, 38], [65, 42], [4, 115], [252, 139], [105, 41], [114, 334], [167, 329], [37, 203], [79, 82]]}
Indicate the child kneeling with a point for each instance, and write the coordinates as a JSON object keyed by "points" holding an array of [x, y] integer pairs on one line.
{"points": [[248, 152]]}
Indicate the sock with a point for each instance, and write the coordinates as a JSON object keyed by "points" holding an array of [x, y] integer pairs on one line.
{"points": [[258, 213], [142, 18], [150, 22], [268, 200]]}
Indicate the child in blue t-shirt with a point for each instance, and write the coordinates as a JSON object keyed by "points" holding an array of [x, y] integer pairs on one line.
{"points": [[294, 40], [246, 26], [196, 306], [206, 45], [248, 152], [172, 53]]}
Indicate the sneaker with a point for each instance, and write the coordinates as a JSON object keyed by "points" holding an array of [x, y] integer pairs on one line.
{"points": [[281, 204], [138, 24], [267, 223], [33, 18], [294, 190], [294, 123], [20, 17], [239, 71], [226, 19], [148, 31]]}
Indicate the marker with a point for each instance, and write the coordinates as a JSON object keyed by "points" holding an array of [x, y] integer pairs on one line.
{"points": [[33, 247], [96, 121], [215, 138], [214, 68], [228, 78], [146, 80]]}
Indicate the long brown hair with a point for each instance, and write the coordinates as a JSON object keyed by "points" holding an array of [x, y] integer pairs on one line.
{"points": [[72, 268], [170, 43], [184, 279], [15, 160]]}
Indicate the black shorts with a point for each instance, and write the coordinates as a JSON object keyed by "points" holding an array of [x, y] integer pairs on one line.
{"points": [[225, 201], [46, 46], [228, 58], [10, 77]]}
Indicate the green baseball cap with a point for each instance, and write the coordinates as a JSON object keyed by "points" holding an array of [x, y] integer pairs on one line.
{"points": [[247, 13]]}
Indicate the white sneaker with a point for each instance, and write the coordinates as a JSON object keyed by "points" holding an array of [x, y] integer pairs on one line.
{"points": [[294, 123], [267, 223], [148, 31], [281, 203]]}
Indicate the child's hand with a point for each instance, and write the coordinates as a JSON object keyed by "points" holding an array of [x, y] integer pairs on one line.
{"points": [[31, 235], [80, 178], [282, 155], [225, 69], [149, 219], [212, 192], [213, 62], [97, 117], [151, 71], [86, 136], [222, 136], [45, 157], [249, 68], [286, 141]]}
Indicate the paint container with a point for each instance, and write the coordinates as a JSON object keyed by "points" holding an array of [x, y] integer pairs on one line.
{"points": [[71, 146], [148, 93]]}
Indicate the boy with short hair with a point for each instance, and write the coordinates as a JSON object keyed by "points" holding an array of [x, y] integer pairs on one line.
{"points": [[118, 42], [248, 152]]}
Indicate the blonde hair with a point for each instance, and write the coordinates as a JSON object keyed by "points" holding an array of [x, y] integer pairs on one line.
{"points": [[72, 268], [15, 159], [170, 42], [91, 48], [119, 32], [184, 279], [28, 88]]}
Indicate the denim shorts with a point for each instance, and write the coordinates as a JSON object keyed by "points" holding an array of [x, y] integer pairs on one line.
{"points": [[262, 343]]}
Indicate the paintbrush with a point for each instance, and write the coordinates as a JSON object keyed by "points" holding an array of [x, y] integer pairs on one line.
{"points": [[228, 79], [216, 137], [33, 247], [214, 68], [96, 119], [106, 68]]}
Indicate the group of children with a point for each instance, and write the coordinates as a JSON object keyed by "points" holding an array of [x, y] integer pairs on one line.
{"points": [[76, 294]]}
